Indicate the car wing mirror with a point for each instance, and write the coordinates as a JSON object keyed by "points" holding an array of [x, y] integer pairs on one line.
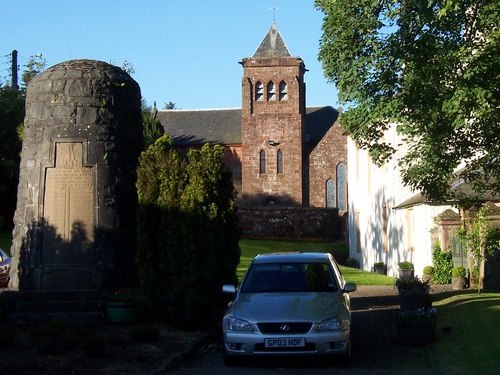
{"points": [[350, 287], [229, 289]]}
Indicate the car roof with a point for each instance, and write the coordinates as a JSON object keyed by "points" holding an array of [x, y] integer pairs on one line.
{"points": [[290, 257]]}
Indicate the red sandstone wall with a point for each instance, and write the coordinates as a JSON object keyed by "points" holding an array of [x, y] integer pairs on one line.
{"points": [[323, 161], [279, 121]]}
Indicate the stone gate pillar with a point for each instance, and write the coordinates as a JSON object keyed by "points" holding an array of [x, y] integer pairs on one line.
{"points": [[75, 220]]}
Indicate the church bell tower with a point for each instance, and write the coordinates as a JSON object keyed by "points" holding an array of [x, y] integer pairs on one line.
{"points": [[273, 112]]}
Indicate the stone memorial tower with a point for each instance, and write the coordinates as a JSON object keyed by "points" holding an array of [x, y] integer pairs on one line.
{"points": [[75, 223]]}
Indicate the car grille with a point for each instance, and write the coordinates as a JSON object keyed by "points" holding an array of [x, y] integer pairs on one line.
{"points": [[285, 328]]}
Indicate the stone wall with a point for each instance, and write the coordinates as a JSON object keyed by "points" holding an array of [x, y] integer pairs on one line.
{"points": [[292, 223], [75, 223], [323, 161], [272, 125]]}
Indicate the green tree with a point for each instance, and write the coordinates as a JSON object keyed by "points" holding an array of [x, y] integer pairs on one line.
{"points": [[151, 127], [431, 67], [35, 65], [169, 105], [11, 117], [188, 233], [483, 241]]}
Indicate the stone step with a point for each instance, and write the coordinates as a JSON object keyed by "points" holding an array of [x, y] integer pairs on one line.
{"points": [[66, 306], [88, 319], [57, 306]]}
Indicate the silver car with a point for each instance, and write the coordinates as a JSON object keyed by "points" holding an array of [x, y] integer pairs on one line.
{"points": [[289, 304]]}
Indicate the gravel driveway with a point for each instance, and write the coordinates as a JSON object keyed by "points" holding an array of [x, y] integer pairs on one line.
{"points": [[374, 344]]}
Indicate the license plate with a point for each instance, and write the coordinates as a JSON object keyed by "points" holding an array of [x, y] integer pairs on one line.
{"points": [[288, 342]]}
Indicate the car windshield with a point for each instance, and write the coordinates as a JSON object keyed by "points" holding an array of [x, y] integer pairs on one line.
{"points": [[289, 277]]}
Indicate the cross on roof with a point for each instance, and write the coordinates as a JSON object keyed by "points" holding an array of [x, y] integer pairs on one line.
{"points": [[274, 8]]}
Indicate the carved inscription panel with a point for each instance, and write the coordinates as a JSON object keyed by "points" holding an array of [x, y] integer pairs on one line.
{"points": [[68, 207]]}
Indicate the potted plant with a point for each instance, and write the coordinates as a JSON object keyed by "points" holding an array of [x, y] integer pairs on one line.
{"points": [[406, 269], [427, 274], [413, 293], [380, 268], [124, 306], [458, 278], [417, 327]]}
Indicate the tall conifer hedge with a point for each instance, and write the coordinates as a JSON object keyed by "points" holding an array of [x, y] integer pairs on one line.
{"points": [[188, 232]]}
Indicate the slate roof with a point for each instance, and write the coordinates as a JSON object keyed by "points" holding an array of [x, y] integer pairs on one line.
{"points": [[272, 45], [223, 126], [463, 192]]}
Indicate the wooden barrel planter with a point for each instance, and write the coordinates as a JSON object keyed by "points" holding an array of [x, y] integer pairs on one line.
{"points": [[416, 334], [414, 301]]}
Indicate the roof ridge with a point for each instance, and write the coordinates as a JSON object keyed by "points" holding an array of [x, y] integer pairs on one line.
{"points": [[200, 109]]}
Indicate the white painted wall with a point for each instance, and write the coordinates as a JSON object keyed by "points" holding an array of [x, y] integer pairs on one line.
{"points": [[373, 192]]}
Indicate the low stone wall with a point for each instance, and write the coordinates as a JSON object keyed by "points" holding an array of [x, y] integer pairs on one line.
{"points": [[292, 223]]}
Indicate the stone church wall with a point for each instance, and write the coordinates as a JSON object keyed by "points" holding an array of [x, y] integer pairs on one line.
{"points": [[323, 161], [291, 223]]}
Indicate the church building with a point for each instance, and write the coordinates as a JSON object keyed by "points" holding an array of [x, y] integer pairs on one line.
{"points": [[281, 152]]}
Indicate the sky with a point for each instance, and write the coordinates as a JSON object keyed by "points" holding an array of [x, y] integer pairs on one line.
{"points": [[183, 51]]}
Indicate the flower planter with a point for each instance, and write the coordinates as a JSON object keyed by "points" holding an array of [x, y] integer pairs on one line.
{"points": [[381, 270], [122, 312], [458, 283], [416, 334], [414, 301], [473, 282], [406, 273]]}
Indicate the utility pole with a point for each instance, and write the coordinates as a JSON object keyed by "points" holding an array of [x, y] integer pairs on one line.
{"points": [[14, 84]]}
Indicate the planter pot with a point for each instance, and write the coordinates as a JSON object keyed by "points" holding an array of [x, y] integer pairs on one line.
{"points": [[381, 270], [122, 312], [474, 281], [414, 301], [416, 334], [406, 273], [427, 278], [458, 283]]}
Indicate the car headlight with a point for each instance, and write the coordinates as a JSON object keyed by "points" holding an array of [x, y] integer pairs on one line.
{"points": [[238, 325], [332, 324]]}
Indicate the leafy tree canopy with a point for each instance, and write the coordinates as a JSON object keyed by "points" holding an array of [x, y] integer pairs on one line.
{"points": [[11, 117], [431, 67], [35, 65]]}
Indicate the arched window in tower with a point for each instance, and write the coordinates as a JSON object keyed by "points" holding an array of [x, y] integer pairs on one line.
{"points": [[271, 91], [330, 193], [262, 162], [283, 91], [341, 187], [259, 91], [279, 161]]}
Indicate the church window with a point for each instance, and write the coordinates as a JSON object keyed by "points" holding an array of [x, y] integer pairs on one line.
{"points": [[262, 162], [259, 91], [283, 91], [341, 187], [279, 161], [271, 91], [330, 193]]}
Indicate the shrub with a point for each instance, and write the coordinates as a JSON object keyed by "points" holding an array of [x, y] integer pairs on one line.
{"points": [[406, 265], [428, 270], [188, 233], [458, 272], [443, 265], [412, 286], [379, 264], [352, 263]]}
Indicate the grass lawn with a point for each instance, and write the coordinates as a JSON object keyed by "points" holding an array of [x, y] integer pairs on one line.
{"points": [[5, 240], [250, 248], [472, 346]]}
